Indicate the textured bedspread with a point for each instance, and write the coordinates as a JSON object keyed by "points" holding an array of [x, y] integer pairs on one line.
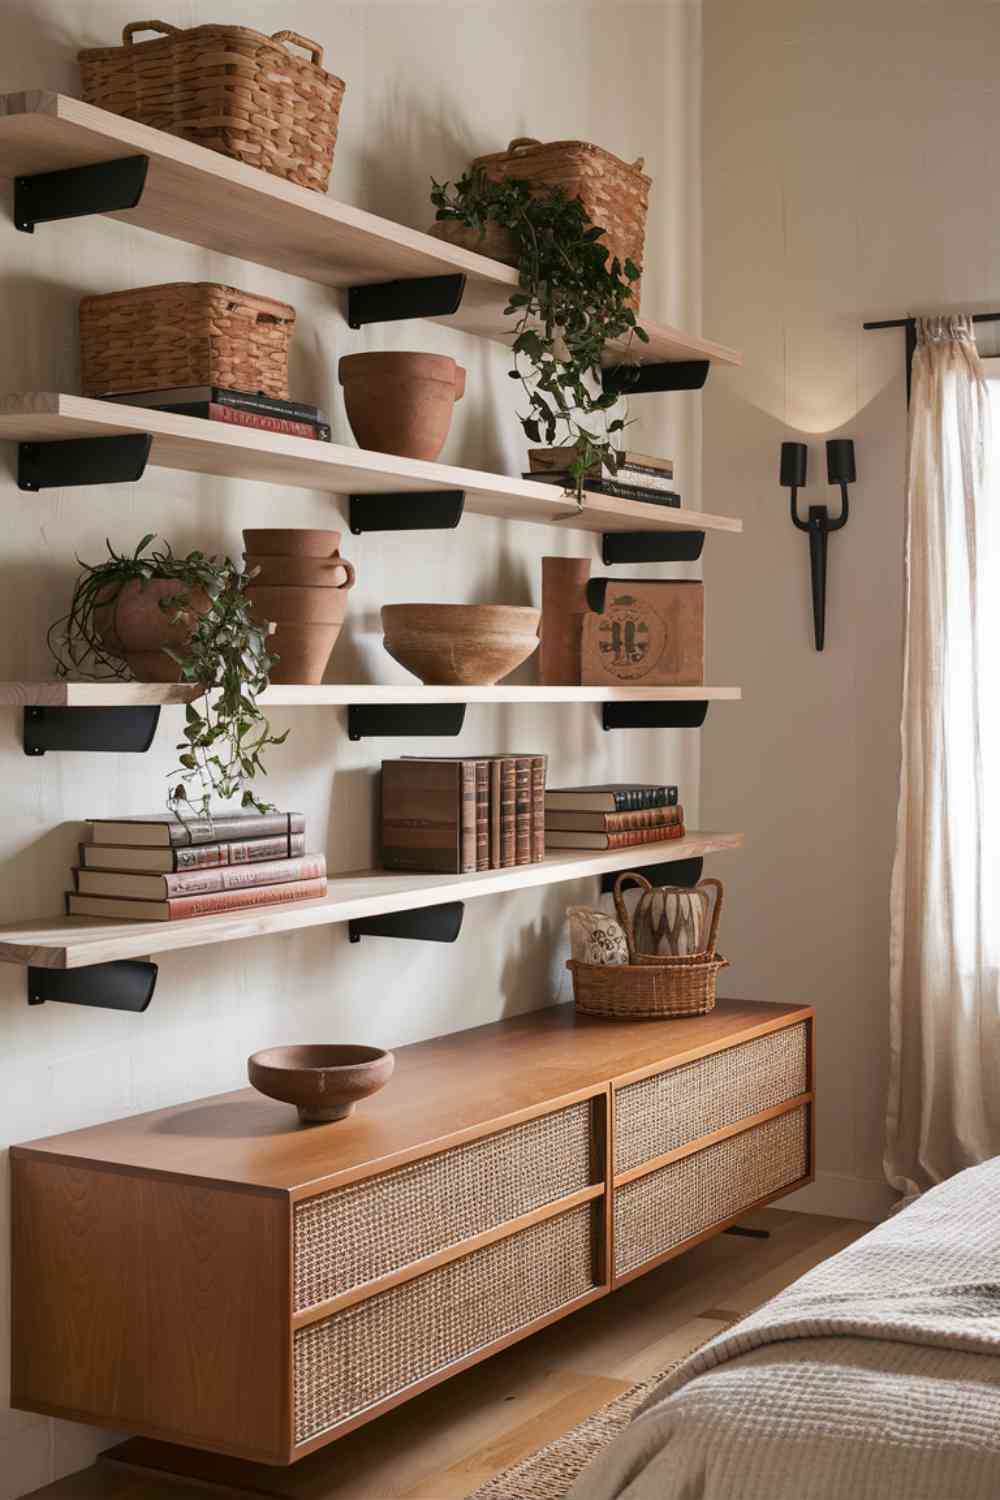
{"points": [[874, 1377]]}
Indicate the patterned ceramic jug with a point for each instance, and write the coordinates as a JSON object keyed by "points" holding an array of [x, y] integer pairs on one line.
{"points": [[595, 937], [671, 920]]}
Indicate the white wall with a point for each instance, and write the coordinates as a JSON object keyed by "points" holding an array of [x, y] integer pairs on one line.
{"points": [[429, 85], [849, 159]]}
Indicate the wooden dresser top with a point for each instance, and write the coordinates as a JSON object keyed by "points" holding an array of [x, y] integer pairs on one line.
{"points": [[445, 1090]]}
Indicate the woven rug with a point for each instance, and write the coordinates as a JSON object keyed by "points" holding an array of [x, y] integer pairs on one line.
{"points": [[550, 1473]]}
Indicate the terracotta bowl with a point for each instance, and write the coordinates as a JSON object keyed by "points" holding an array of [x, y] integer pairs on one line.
{"points": [[459, 644], [291, 541], [399, 402], [323, 1082]]}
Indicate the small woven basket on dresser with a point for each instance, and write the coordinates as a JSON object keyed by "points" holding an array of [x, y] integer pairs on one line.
{"points": [[614, 193], [229, 88], [182, 334], [651, 986]]}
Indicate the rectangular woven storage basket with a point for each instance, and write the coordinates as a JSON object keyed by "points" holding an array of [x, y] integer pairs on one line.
{"points": [[229, 88], [184, 333], [614, 193]]}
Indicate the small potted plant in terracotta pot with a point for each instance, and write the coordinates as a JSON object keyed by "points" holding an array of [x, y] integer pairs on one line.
{"points": [[163, 618], [401, 403]]}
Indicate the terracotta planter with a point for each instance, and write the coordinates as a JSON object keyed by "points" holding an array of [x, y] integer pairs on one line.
{"points": [[307, 622], [323, 1083], [459, 644], [564, 605], [401, 403], [291, 541], [492, 240], [301, 572], [134, 626]]}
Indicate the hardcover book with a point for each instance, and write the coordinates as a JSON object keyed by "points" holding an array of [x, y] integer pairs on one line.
{"points": [[200, 857], [215, 411], [190, 395], [120, 908], [172, 832], [618, 822], [129, 883], [609, 797], [621, 486], [589, 839], [423, 812]]}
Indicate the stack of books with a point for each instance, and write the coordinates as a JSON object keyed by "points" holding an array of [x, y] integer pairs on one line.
{"points": [[239, 408], [640, 476], [617, 815], [159, 869], [456, 815]]}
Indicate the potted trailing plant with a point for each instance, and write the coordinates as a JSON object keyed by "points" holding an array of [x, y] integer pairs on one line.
{"points": [[571, 302], [163, 618]]}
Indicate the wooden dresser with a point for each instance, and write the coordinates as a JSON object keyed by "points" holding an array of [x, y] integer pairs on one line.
{"points": [[217, 1276]]}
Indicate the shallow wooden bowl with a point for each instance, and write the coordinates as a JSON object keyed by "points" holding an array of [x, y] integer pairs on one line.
{"points": [[323, 1082], [459, 644]]}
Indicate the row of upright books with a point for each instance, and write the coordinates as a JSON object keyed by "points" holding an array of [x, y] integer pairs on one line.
{"points": [[162, 869], [455, 815], [237, 408], [614, 815]]}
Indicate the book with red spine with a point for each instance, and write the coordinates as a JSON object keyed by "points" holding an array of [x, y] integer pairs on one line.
{"points": [[122, 908], [482, 814], [166, 887], [236, 417], [522, 810], [590, 839], [624, 822], [496, 826], [538, 764], [508, 813]]}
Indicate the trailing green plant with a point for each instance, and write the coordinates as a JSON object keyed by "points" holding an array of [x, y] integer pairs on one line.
{"points": [[225, 733], [572, 301]]}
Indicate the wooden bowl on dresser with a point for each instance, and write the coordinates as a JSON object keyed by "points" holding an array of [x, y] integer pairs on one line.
{"points": [[324, 1082]]}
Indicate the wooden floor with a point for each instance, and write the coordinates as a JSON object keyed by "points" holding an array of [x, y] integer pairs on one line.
{"points": [[442, 1445]]}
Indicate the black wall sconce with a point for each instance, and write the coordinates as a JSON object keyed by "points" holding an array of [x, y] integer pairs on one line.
{"points": [[839, 470]]}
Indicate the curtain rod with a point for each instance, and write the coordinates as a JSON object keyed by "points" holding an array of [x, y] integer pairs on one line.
{"points": [[993, 317]]}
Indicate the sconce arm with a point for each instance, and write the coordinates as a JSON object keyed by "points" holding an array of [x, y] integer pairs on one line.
{"points": [[840, 520], [802, 525]]}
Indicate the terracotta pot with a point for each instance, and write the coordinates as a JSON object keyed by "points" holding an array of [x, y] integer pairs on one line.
{"points": [[134, 626], [308, 622], [492, 240], [324, 1083], [305, 572], [401, 403], [459, 644], [564, 605], [304, 651], [293, 541], [298, 606]]}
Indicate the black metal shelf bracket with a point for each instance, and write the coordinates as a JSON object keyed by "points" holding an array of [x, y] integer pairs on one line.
{"points": [[392, 720], [121, 730], [427, 924], [419, 297], [125, 984], [77, 461], [683, 714], [673, 872], [644, 380], [408, 510], [651, 546], [103, 188]]}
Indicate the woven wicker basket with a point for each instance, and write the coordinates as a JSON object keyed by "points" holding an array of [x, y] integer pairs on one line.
{"points": [[231, 89], [181, 334], [649, 986], [614, 193]]}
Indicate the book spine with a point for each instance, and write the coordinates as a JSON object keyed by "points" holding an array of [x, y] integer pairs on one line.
{"points": [[650, 479], [644, 797], [223, 901], [651, 494], [537, 809], [482, 815], [644, 836], [467, 818], [522, 810], [268, 406], [238, 417], [245, 876], [495, 820], [508, 814], [649, 817], [222, 830], [240, 852]]}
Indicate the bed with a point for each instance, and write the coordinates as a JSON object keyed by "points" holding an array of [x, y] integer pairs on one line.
{"points": [[874, 1377]]}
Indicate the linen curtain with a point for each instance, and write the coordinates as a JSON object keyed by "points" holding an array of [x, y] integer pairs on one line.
{"points": [[944, 1088]]}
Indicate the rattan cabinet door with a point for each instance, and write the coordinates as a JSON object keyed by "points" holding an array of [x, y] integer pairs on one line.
{"points": [[353, 1235], [672, 1109]]}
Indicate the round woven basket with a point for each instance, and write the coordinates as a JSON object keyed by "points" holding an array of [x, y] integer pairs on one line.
{"points": [[650, 986]]}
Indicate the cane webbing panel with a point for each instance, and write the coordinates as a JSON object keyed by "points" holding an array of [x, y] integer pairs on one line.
{"points": [[655, 1212], [670, 1109], [351, 1236], [349, 1361]]}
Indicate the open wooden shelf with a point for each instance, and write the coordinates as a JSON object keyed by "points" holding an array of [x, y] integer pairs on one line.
{"points": [[74, 942], [203, 447], [340, 694], [196, 195]]}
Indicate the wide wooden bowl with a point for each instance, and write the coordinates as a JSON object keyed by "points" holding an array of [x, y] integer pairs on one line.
{"points": [[464, 645], [323, 1082]]}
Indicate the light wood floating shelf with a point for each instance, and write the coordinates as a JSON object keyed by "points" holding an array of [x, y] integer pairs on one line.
{"points": [[74, 942], [196, 195], [340, 694], [202, 447]]}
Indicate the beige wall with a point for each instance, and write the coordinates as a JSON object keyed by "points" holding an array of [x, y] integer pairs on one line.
{"points": [[429, 85], [849, 162]]}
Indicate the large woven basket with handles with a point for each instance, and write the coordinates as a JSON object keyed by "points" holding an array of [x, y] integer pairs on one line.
{"points": [[184, 333], [614, 193], [650, 986], [229, 88]]}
